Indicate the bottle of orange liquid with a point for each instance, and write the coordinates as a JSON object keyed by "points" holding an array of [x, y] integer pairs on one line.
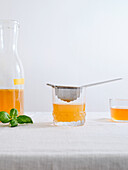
{"points": [[11, 69]]}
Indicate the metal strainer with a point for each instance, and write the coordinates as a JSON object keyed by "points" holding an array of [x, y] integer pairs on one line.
{"points": [[71, 93]]}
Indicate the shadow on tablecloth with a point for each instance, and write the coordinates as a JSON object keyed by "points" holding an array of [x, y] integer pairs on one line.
{"points": [[34, 125], [106, 120]]}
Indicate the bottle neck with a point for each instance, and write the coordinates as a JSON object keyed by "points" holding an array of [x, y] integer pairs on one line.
{"points": [[8, 37]]}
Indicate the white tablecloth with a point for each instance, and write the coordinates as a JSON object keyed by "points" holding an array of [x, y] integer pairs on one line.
{"points": [[100, 145]]}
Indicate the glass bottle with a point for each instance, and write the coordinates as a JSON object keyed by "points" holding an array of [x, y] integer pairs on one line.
{"points": [[11, 69]]}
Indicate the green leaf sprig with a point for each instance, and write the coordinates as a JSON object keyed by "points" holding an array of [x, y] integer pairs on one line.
{"points": [[13, 119]]}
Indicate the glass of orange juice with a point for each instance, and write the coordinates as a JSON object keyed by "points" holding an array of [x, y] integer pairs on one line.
{"points": [[69, 112], [119, 109]]}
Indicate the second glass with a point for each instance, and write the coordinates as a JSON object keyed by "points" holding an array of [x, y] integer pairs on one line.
{"points": [[119, 110]]}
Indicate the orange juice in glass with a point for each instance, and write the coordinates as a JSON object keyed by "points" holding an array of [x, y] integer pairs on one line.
{"points": [[69, 112], [119, 110]]}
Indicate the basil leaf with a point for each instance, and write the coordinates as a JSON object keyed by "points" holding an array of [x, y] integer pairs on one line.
{"points": [[13, 122], [24, 119], [4, 117], [13, 113]]}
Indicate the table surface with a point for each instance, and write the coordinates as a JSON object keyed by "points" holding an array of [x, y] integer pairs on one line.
{"points": [[100, 144]]}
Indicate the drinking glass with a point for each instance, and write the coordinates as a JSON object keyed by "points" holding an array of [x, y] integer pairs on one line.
{"points": [[119, 109], [69, 113]]}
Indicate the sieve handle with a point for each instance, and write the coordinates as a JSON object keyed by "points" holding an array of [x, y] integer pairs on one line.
{"points": [[102, 82], [50, 85]]}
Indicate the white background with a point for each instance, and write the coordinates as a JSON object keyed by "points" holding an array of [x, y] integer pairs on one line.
{"points": [[71, 42]]}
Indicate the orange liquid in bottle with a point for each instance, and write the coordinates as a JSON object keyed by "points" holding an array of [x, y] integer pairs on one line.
{"points": [[12, 98], [68, 113], [119, 114]]}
